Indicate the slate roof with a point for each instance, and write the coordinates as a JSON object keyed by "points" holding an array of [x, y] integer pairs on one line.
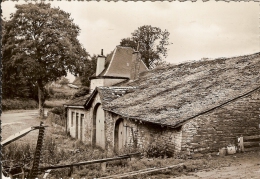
{"points": [[118, 63], [108, 94], [174, 94]]}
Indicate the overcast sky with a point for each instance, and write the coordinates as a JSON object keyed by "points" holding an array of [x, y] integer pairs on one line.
{"points": [[197, 30]]}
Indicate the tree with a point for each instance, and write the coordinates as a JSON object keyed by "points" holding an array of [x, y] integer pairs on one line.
{"points": [[81, 92], [63, 80], [88, 70], [153, 42], [41, 44], [14, 83]]}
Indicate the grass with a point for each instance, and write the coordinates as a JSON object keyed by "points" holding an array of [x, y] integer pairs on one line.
{"points": [[60, 149], [14, 104], [63, 92], [51, 103], [25, 104]]}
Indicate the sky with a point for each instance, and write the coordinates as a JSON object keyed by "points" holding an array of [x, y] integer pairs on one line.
{"points": [[197, 29]]}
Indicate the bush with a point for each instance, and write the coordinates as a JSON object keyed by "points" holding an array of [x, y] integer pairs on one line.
{"points": [[19, 103], [81, 92], [58, 95], [58, 110], [157, 149], [16, 153], [51, 91]]}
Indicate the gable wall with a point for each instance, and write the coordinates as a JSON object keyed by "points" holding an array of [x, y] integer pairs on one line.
{"points": [[217, 129], [104, 82]]}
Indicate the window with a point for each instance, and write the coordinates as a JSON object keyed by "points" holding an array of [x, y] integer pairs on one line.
{"points": [[72, 115]]}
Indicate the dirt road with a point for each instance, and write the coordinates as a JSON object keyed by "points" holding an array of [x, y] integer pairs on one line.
{"points": [[237, 166], [17, 120]]}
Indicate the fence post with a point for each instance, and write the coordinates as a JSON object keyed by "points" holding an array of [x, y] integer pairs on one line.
{"points": [[103, 166], [70, 171], [241, 143]]}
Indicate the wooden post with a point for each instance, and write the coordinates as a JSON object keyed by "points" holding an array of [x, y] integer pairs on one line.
{"points": [[70, 171], [22, 173], [241, 144], [103, 166]]}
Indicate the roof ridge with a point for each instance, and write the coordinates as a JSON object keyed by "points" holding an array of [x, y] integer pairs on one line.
{"points": [[116, 87], [112, 58]]}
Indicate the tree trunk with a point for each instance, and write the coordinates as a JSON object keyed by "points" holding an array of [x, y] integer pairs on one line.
{"points": [[41, 101]]}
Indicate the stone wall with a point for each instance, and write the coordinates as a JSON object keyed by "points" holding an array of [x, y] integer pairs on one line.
{"points": [[220, 127], [148, 134], [141, 135]]}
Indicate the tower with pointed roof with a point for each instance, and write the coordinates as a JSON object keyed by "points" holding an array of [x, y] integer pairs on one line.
{"points": [[117, 67]]}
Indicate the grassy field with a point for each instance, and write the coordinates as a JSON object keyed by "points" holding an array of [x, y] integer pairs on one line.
{"points": [[13, 104], [62, 92], [20, 104], [51, 103], [58, 97]]}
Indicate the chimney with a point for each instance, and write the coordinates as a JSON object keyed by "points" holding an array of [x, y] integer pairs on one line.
{"points": [[100, 63], [135, 66]]}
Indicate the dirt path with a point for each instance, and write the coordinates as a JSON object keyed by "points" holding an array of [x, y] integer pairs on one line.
{"points": [[243, 165]]}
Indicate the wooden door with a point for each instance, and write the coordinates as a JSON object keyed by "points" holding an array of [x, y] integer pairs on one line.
{"points": [[121, 135], [100, 127]]}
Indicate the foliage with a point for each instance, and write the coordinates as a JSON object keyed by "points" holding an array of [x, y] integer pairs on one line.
{"points": [[40, 44], [18, 103], [57, 115], [88, 70], [63, 80], [81, 92], [63, 92], [58, 110], [54, 103], [153, 44], [17, 154], [157, 149], [58, 95]]}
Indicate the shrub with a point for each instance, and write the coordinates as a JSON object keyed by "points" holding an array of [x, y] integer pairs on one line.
{"points": [[18, 103], [157, 149], [51, 91], [58, 95], [81, 92], [58, 110], [17, 153]]}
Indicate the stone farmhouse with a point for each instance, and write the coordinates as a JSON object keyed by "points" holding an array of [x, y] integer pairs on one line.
{"points": [[192, 107]]}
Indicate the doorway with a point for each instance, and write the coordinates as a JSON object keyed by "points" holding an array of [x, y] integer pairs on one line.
{"points": [[120, 135], [99, 126]]}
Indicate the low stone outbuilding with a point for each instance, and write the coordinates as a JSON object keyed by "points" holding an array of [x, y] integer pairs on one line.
{"points": [[191, 107]]}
